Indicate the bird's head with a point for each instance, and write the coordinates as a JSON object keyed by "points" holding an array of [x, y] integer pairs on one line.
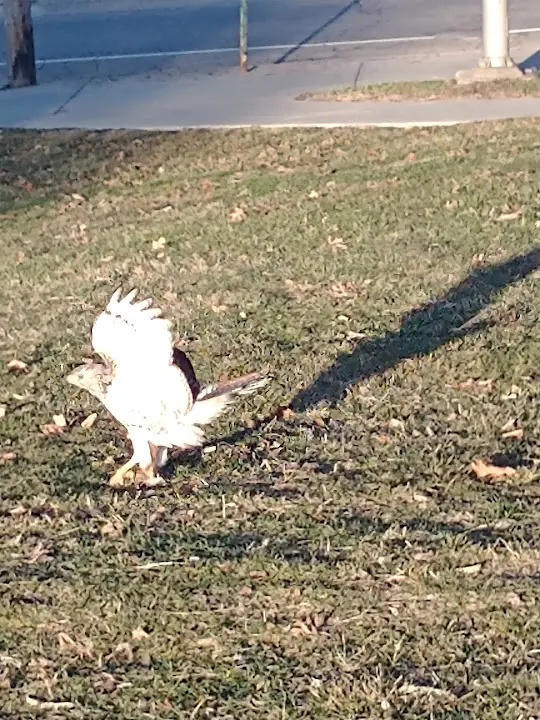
{"points": [[92, 377]]}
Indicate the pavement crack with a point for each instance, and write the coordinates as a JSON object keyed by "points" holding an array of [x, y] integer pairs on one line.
{"points": [[73, 96]]}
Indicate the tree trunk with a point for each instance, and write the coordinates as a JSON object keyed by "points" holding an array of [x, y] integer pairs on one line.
{"points": [[21, 59]]}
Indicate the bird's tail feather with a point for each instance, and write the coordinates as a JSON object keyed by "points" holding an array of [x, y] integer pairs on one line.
{"points": [[187, 437], [213, 400]]}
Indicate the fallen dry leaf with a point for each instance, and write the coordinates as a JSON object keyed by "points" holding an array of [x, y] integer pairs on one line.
{"points": [[108, 682], [50, 429], [82, 648], [139, 271], [515, 392], [299, 290], [396, 578], [258, 574], [17, 366], [2, 411], [470, 569], [517, 433], [344, 289], [24, 184], [396, 424], [484, 470], [300, 628], [284, 413], [111, 528], [124, 651], [509, 425], [513, 599], [48, 704], [237, 214], [423, 690], [139, 633], [89, 421], [78, 197], [475, 383], [336, 243], [313, 195], [509, 429], [159, 244], [37, 554], [59, 420], [7, 456], [478, 259], [509, 216], [17, 510]]}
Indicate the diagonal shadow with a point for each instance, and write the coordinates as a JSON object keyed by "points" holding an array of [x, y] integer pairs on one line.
{"points": [[531, 63], [422, 330], [318, 31]]}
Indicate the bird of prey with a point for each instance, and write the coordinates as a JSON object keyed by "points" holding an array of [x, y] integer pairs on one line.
{"points": [[149, 386]]}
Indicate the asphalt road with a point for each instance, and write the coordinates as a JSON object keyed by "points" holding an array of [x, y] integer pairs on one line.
{"points": [[191, 25]]}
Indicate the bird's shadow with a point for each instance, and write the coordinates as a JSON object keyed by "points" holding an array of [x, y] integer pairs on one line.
{"points": [[183, 458], [422, 331]]}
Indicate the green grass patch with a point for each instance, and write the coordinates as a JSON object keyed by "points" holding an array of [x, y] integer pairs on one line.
{"points": [[422, 90], [338, 559]]}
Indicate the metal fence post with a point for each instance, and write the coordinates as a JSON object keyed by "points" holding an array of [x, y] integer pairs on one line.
{"points": [[243, 36]]}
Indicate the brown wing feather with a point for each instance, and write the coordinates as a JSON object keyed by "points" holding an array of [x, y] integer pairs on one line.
{"points": [[181, 360], [235, 386]]}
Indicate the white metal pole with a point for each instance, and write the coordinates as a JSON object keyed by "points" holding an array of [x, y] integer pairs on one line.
{"points": [[495, 32]]}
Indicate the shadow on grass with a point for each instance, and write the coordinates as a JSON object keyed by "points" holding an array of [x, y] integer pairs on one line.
{"points": [[42, 166], [422, 331], [303, 547]]}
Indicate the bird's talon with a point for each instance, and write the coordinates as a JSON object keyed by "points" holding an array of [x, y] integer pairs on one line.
{"points": [[154, 481], [119, 478], [151, 480], [116, 480]]}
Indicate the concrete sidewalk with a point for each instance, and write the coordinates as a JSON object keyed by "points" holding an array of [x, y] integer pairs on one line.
{"points": [[171, 99]]}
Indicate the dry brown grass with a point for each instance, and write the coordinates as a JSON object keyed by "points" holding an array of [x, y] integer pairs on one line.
{"points": [[427, 90]]}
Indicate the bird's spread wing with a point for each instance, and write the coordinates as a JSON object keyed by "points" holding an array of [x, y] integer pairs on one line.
{"points": [[133, 335]]}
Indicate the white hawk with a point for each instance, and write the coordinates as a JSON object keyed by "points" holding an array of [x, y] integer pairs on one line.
{"points": [[149, 386]]}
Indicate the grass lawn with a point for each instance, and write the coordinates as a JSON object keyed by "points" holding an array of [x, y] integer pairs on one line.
{"points": [[362, 539], [529, 86]]}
